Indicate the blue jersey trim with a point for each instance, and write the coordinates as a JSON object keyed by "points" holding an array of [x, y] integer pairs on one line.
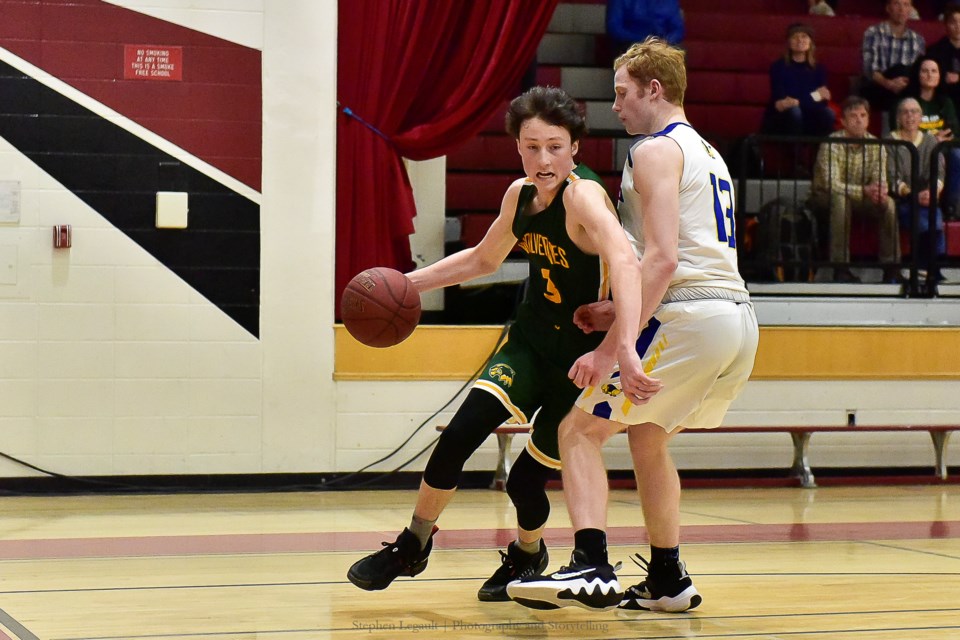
{"points": [[671, 127]]}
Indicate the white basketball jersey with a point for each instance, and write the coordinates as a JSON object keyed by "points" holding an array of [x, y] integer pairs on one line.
{"points": [[707, 253]]}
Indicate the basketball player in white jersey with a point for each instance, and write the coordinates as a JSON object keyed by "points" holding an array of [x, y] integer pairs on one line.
{"points": [[697, 345]]}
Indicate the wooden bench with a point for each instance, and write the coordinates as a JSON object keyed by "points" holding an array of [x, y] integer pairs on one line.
{"points": [[800, 435]]}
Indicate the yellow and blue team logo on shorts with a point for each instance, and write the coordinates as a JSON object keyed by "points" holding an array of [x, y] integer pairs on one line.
{"points": [[610, 389], [503, 374]]}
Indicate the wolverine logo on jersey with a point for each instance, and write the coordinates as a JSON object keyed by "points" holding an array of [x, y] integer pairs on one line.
{"points": [[709, 150], [503, 374], [540, 245], [610, 389]]}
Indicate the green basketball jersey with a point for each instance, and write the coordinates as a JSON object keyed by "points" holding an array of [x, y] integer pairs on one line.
{"points": [[562, 277]]}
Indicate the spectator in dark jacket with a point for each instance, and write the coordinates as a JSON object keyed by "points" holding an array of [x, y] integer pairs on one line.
{"points": [[799, 97], [946, 51]]}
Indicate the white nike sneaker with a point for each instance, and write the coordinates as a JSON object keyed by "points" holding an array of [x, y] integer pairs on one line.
{"points": [[579, 584]]}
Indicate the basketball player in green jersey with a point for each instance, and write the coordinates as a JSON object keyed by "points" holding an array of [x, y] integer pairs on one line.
{"points": [[566, 225], [699, 341]]}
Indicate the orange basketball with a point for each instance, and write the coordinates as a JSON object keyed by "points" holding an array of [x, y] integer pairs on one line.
{"points": [[380, 307]]}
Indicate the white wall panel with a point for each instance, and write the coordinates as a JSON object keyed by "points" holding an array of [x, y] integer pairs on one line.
{"points": [[136, 360], [19, 397], [152, 397], [19, 321], [86, 359], [224, 360], [223, 435], [393, 409], [75, 321], [239, 21], [71, 435], [111, 364], [19, 360], [18, 436], [153, 322], [75, 398], [223, 397]]}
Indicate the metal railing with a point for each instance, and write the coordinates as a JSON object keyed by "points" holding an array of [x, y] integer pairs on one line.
{"points": [[777, 185]]}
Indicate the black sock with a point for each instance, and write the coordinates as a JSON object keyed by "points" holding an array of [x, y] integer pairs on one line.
{"points": [[664, 557], [593, 542]]}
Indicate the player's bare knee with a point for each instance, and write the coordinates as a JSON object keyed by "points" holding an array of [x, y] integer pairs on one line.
{"points": [[647, 440], [580, 426]]}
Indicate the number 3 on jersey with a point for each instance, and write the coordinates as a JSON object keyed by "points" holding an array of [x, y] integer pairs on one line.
{"points": [[723, 210], [552, 293]]}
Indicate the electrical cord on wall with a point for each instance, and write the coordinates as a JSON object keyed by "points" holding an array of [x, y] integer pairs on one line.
{"points": [[340, 482], [336, 482], [77, 479]]}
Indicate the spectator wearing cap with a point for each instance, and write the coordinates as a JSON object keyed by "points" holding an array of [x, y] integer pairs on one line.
{"points": [[799, 97], [889, 51]]}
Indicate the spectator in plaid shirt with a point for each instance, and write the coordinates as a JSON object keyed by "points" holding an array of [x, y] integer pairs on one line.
{"points": [[850, 179], [889, 51]]}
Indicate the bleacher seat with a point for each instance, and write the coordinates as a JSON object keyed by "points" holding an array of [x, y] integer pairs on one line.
{"points": [[952, 232], [725, 120], [729, 51], [477, 191], [728, 87]]}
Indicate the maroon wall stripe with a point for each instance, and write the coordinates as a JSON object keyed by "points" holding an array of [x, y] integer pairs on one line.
{"points": [[355, 541], [213, 113]]}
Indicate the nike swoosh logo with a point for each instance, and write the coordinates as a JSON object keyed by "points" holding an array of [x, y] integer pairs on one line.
{"points": [[573, 574]]}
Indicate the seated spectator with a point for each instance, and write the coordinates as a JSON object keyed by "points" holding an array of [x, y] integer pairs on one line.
{"points": [[850, 179], [889, 50], [939, 112], [946, 51], [899, 175], [799, 97], [940, 120], [940, 7]]}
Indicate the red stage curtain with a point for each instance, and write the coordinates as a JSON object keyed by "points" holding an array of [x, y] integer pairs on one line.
{"points": [[424, 76]]}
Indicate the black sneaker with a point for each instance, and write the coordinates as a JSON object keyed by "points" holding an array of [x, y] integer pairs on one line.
{"points": [[669, 590], [516, 565], [579, 584], [401, 558]]}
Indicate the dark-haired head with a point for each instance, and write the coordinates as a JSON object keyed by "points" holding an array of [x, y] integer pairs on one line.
{"points": [[550, 104]]}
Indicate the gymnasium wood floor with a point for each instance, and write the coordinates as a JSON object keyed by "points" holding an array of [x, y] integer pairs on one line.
{"points": [[851, 563]]}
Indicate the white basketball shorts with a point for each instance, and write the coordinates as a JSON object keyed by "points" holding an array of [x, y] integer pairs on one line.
{"points": [[701, 350]]}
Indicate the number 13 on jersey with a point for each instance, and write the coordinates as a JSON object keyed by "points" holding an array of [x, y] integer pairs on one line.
{"points": [[723, 210]]}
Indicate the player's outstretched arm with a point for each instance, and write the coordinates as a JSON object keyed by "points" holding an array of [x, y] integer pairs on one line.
{"points": [[591, 210], [477, 261]]}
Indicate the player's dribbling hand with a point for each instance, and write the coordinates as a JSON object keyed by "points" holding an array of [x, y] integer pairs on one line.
{"points": [[596, 316], [635, 384]]}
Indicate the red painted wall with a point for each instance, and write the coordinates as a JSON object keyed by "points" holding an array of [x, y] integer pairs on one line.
{"points": [[213, 113]]}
